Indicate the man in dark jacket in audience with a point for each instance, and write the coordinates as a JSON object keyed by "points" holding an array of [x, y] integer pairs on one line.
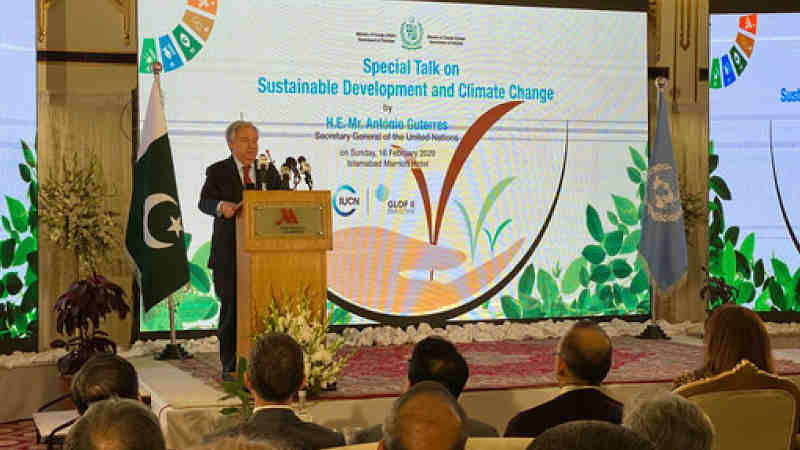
{"points": [[583, 360], [436, 359], [274, 375]]}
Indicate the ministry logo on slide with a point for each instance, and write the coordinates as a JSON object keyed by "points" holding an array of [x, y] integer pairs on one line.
{"points": [[345, 200], [411, 34]]}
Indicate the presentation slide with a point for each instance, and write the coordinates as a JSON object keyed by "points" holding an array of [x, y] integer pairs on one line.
{"points": [[484, 162], [755, 158], [19, 289]]}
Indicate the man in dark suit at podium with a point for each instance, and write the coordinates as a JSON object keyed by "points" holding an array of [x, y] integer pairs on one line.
{"points": [[583, 359], [221, 198]]}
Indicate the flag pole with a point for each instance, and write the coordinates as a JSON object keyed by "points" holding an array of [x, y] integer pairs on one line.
{"points": [[653, 330], [173, 350]]}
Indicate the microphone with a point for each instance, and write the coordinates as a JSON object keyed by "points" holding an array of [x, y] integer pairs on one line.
{"points": [[286, 173], [292, 163], [305, 170], [261, 172]]}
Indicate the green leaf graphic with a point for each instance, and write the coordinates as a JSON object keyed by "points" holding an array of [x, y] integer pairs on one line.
{"points": [[613, 242], [634, 175], [631, 242], [594, 253], [626, 210], [199, 278], [547, 287], [488, 202], [593, 224], [758, 273], [781, 271], [572, 277], [637, 159], [732, 235], [30, 159], [719, 186], [748, 245], [510, 307], [19, 215], [525, 284], [728, 263], [584, 277], [640, 283], [600, 274], [621, 268], [468, 223]]}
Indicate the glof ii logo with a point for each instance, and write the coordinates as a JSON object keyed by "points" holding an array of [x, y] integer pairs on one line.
{"points": [[411, 34]]}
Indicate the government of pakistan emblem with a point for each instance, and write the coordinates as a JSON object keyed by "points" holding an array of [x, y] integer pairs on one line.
{"points": [[411, 34], [663, 194]]}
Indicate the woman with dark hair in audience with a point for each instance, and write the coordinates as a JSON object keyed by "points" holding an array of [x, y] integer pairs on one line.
{"points": [[733, 333]]}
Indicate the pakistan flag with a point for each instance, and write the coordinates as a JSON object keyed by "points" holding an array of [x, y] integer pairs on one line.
{"points": [[155, 230]]}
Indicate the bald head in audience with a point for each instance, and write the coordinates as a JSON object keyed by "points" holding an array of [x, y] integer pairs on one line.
{"points": [[426, 417], [584, 355], [590, 435]]}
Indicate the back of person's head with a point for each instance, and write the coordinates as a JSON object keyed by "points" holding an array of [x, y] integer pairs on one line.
{"points": [[670, 421], [103, 376], [116, 424], [437, 359], [426, 417], [590, 435], [586, 352], [734, 333], [240, 442], [275, 369]]}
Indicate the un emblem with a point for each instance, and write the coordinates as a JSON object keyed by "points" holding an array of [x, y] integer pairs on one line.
{"points": [[663, 194], [411, 34]]}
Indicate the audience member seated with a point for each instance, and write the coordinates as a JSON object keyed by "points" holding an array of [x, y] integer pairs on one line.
{"points": [[435, 359], [274, 375], [116, 424], [426, 417], [583, 359], [101, 377], [590, 435], [733, 333], [239, 443], [670, 422]]}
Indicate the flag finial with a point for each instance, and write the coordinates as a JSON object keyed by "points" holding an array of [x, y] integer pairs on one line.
{"points": [[661, 83]]}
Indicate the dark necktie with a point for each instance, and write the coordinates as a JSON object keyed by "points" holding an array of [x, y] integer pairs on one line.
{"points": [[246, 171]]}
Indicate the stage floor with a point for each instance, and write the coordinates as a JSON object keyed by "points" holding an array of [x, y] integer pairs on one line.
{"points": [[187, 401]]}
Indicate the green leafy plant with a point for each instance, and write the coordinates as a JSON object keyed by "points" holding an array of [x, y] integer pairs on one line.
{"points": [[237, 388], [607, 278], [488, 203], [732, 259], [19, 256], [339, 315]]}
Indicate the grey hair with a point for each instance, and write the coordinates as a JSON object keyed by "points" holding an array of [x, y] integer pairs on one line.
{"points": [[230, 132], [392, 425], [240, 442], [116, 424], [670, 422], [590, 435]]}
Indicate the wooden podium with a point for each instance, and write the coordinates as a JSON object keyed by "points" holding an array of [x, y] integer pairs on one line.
{"points": [[281, 241]]}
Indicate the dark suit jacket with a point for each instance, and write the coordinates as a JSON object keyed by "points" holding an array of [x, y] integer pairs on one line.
{"points": [[284, 427], [475, 428], [579, 404], [223, 183]]}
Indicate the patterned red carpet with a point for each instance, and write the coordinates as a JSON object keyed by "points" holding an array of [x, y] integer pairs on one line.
{"points": [[381, 371], [19, 436]]}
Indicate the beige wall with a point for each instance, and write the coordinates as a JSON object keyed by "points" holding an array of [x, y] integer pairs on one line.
{"points": [[87, 106]]}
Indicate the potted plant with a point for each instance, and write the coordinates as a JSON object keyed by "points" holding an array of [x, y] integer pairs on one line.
{"points": [[76, 218], [80, 310]]}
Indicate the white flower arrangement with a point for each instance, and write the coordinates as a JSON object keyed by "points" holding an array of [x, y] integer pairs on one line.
{"points": [[323, 359], [73, 209]]}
